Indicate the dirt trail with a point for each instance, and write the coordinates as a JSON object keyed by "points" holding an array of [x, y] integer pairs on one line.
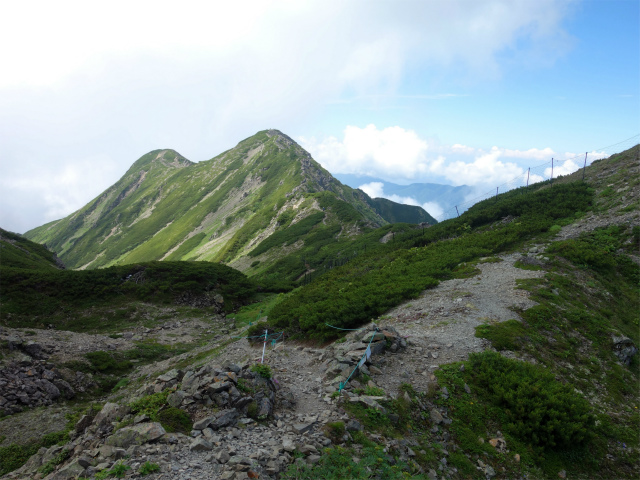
{"points": [[440, 326]]}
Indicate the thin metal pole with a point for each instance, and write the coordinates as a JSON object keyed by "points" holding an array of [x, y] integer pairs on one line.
{"points": [[585, 165], [528, 172], [497, 193], [264, 345], [552, 172], [457, 211]]}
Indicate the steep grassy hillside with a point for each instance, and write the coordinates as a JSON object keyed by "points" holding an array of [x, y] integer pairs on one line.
{"points": [[167, 208], [16, 251], [563, 392], [370, 284], [103, 299]]}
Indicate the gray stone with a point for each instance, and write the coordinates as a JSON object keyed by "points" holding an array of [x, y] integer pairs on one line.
{"points": [[84, 461], [222, 456], [109, 413], [436, 416], [170, 375], [377, 336], [71, 471], [200, 445], [83, 423], [50, 388], [203, 423], [301, 428], [624, 349], [218, 387], [136, 435], [354, 426], [308, 449], [225, 419], [175, 399], [288, 445]]}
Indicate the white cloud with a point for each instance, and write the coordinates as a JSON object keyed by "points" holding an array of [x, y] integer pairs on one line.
{"points": [[398, 154], [392, 152], [376, 190], [61, 189], [569, 166], [433, 208], [485, 169], [120, 79]]}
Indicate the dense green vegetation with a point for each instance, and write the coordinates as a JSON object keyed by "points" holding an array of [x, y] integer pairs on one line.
{"points": [[18, 252], [25, 294], [164, 203], [409, 214], [15, 455], [372, 283]]}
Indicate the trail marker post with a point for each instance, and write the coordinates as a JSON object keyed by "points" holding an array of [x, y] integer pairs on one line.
{"points": [[264, 346]]}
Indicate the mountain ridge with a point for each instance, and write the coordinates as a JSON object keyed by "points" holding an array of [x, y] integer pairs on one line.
{"points": [[167, 206]]}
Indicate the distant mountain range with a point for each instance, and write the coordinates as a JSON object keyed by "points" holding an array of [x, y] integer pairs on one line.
{"points": [[265, 194], [446, 196]]}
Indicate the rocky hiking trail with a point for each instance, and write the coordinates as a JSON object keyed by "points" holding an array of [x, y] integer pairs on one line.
{"points": [[226, 443]]}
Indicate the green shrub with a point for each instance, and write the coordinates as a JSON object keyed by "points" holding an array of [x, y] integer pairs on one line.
{"points": [[150, 404], [51, 465], [337, 463], [263, 370], [335, 431], [374, 391], [104, 362], [121, 384], [541, 410], [147, 467], [507, 335], [252, 410], [175, 420]]}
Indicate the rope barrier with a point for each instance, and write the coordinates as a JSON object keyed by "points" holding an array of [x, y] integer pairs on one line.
{"points": [[367, 351], [338, 328]]}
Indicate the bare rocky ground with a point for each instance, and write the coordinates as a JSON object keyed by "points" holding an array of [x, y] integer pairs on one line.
{"points": [[438, 327]]}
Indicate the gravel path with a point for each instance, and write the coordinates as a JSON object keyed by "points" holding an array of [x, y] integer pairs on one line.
{"points": [[440, 324]]}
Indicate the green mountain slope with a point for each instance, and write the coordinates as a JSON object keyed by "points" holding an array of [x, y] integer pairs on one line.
{"points": [[168, 208], [18, 252]]}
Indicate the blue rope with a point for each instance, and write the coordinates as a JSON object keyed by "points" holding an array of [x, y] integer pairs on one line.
{"points": [[344, 384], [338, 328]]}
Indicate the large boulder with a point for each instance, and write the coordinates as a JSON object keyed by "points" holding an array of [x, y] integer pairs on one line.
{"points": [[225, 419], [624, 349], [136, 435]]}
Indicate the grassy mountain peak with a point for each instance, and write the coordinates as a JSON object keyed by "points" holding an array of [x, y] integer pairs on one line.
{"points": [[168, 208]]}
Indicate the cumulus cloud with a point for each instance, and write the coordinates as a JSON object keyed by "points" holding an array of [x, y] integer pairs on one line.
{"points": [[565, 168], [81, 78], [401, 155], [63, 189], [376, 190], [370, 151]]}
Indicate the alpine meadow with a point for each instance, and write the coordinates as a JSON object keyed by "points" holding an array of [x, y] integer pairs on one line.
{"points": [[250, 316]]}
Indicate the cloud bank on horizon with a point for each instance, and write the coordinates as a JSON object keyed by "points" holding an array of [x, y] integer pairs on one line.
{"points": [[401, 156], [87, 88]]}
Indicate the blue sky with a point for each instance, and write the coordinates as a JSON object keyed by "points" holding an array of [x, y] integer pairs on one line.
{"points": [[456, 91]]}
